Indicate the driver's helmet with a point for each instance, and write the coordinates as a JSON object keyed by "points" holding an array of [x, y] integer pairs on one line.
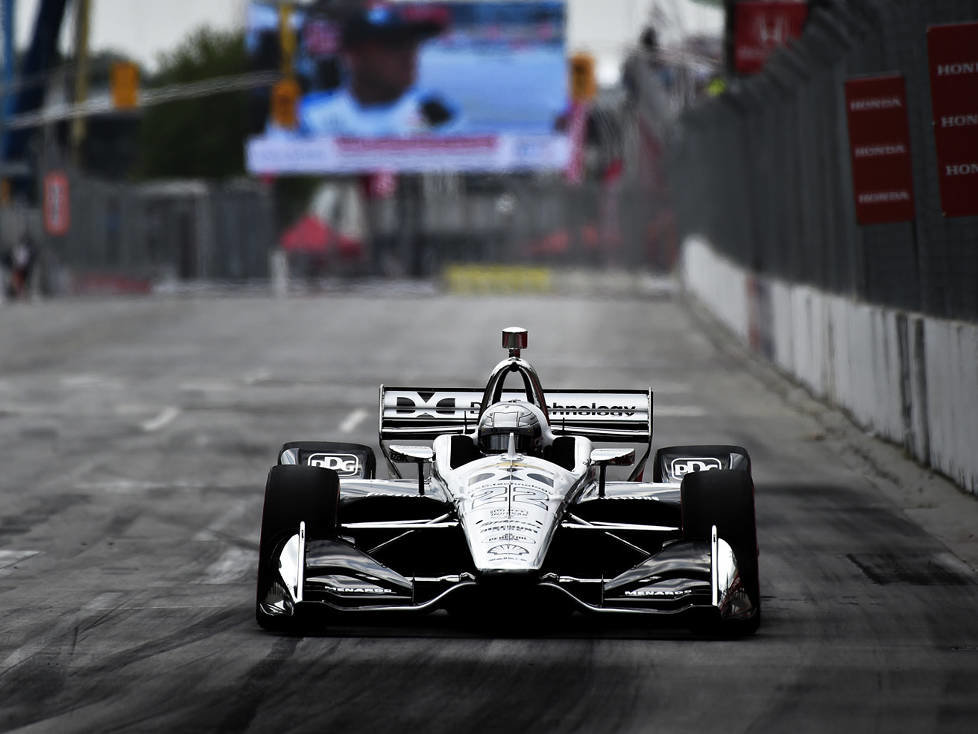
{"points": [[526, 422]]}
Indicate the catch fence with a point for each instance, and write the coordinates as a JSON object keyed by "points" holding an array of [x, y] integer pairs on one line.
{"points": [[122, 236], [540, 220], [763, 170]]}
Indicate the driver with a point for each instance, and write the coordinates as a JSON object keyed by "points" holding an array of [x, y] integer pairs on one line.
{"points": [[379, 97], [524, 421]]}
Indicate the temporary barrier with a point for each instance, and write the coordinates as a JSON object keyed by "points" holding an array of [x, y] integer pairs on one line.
{"points": [[906, 377]]}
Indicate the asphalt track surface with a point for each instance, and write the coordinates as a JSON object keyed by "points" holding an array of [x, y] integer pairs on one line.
{"points": [[135, 436]]}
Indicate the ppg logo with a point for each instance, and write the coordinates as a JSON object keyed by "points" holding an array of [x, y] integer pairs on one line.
{"points": [[681, 467], [346, 465]]}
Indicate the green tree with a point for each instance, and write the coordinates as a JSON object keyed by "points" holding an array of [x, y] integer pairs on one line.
{"points": [[202, 137]]}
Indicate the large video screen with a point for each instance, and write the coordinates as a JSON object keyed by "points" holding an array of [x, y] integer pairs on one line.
{"points": [[411, 86]]}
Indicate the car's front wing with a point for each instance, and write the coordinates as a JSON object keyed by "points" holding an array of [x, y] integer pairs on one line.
{"points": [[683, 576]]}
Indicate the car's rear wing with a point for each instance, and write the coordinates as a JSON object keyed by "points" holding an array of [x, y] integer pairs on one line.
{"points": [[601, 415]]}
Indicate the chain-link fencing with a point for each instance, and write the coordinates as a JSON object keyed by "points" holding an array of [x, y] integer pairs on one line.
{"points": [[763, 170], [532, 220], [121, 236]]}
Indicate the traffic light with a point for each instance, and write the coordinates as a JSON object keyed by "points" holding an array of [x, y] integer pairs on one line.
{"points": [[287, 38], [285, 103], [582, 82], [125, 85], [286, 93]]}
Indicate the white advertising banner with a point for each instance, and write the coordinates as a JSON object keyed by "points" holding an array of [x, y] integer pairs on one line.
{"points": [[494, 153]]}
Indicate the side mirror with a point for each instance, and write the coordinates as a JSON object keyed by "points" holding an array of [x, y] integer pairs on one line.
{"points": [[615, 457], [420, 455], [406, 454]]}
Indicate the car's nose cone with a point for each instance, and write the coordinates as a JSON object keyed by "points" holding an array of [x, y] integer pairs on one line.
{"points": [[508, 525]]}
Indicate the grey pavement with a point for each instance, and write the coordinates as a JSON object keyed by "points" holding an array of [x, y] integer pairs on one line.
{"points": [[136, 435]]}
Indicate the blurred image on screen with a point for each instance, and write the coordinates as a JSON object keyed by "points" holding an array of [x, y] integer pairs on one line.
{"points": [[407, 70]]}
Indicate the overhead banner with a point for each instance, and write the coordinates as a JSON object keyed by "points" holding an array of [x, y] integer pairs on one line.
{"points": [[879, 144], [416, 87], [761, 27], [953, 53]]}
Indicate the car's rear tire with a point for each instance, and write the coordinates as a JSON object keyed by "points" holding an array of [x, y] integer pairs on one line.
{"points": [[725, 498], [293, 494]]}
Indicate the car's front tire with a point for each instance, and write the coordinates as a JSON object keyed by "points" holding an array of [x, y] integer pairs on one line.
{"points": [[293, 494], [725, 498]]}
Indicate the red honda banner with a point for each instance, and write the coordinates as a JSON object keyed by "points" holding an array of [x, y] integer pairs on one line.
{"points": [[953, 52], [762, 26], [57, 211], [577, 131], [879, 143], [381, 185]]}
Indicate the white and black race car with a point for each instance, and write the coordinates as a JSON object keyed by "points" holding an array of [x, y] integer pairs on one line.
{"points": [[511, 506]]}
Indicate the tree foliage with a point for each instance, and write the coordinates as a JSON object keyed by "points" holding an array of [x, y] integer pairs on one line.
{"points": [[202, 137]]}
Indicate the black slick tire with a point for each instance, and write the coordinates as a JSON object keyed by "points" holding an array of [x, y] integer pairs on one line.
{"points": [[725, 498], [293, 494]]}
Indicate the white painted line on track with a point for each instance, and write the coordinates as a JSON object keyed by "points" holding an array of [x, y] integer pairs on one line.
{"points": [[678, 411], [165, 418], [353, 420]]}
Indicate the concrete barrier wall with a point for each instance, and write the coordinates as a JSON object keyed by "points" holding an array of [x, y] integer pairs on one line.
{"points": [[908, 378]]}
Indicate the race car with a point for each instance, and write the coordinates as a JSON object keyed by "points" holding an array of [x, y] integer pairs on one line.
{"points": [[511, 508]]}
